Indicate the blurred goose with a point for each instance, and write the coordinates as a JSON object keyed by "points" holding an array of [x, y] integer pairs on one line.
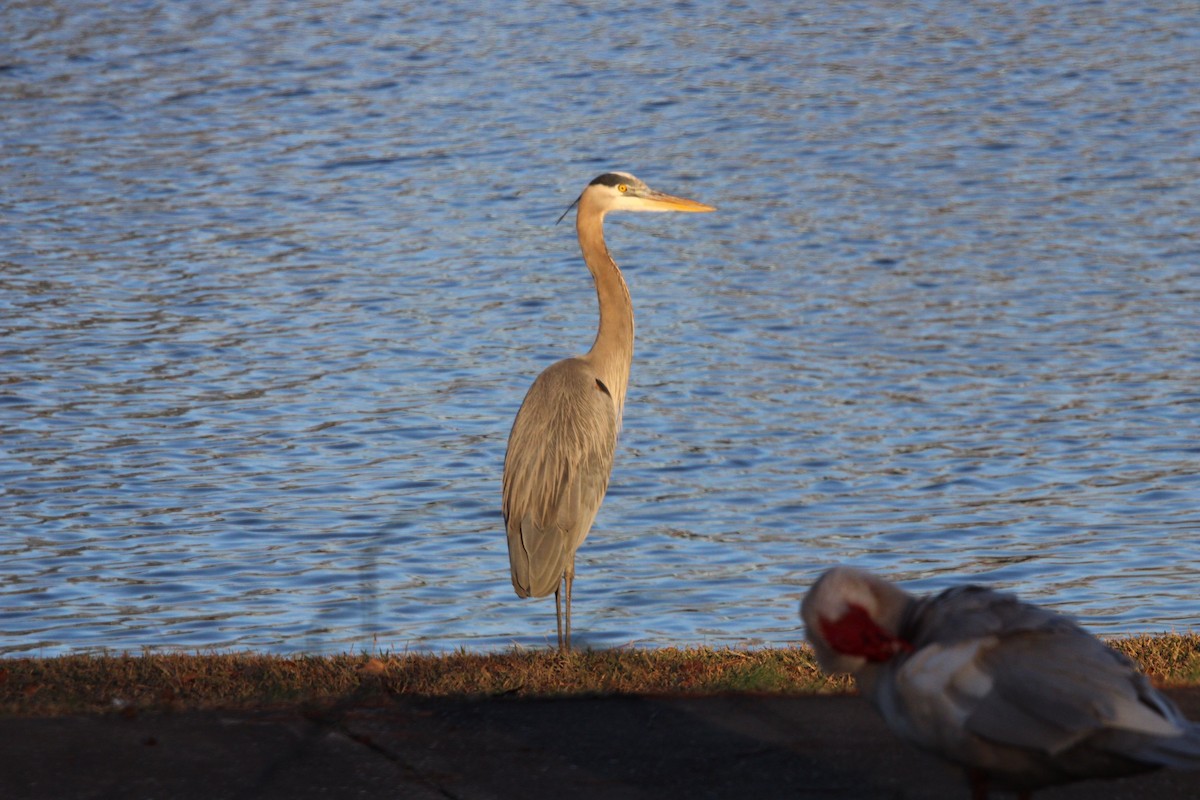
{"points": [[1020, 696]]}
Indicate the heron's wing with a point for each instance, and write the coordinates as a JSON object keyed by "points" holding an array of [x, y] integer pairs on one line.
{"points": [[560, 454]]}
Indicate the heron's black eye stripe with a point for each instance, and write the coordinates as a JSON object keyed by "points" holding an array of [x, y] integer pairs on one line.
{"points": [[610, 179], [600, 385]]}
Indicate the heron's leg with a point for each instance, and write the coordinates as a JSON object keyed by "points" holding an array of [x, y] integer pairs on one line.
{"points": [[570, 578], [558, 612]]}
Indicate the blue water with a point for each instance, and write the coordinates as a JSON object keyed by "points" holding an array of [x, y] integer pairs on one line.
{"points": [[275, 277]]}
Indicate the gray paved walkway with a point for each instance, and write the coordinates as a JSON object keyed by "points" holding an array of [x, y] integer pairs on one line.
{"points": [[754, 747]]}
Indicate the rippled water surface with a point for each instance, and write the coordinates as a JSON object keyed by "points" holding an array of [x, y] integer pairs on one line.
{"points": [[275, 277]]}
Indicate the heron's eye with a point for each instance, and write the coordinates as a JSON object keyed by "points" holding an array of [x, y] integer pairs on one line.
{"points": [[622, 188]]}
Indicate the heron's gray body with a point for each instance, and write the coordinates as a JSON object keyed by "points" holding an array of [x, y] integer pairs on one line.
{"points": [[1020, 696], [560, 450], [565, 459]]}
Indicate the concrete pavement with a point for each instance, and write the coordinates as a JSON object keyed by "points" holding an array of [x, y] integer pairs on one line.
{"points": [[735, 746]]}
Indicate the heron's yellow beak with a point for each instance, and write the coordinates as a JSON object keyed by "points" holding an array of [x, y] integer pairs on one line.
{"points": [[660, 201]]}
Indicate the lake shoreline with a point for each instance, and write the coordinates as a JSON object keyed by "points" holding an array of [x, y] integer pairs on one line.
{"points": [[178, 682]]}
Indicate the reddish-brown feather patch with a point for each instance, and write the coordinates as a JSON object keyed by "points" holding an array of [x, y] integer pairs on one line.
{"points": [[856, 634]]}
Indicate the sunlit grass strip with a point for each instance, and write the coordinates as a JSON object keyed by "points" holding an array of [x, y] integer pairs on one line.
{"points": [[156, 681], [89, 684], [1169, 659]]}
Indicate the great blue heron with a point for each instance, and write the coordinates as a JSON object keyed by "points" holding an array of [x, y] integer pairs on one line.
{"points": [[560, 450]]}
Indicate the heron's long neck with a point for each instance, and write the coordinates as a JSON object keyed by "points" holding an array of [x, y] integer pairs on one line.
{"points": [[612, 352]]}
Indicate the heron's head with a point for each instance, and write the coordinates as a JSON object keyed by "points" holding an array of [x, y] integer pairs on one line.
{"points": [[620, 191], [852, 618]]}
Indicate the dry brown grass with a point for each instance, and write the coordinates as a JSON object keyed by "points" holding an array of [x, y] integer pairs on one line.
{"points": [[1169, 659], [154, 681]]}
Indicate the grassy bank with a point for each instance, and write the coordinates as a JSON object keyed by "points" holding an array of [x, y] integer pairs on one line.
{"points": [[156, 681]]}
